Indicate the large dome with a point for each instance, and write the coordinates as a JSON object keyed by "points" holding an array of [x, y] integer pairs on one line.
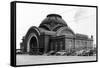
{"points": [[52, 22]]}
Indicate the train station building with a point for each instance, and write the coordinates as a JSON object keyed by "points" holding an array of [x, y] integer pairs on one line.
{"points": [[53, 34]]}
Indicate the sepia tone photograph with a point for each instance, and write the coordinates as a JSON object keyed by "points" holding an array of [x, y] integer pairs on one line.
{"points": [[50, 33]]}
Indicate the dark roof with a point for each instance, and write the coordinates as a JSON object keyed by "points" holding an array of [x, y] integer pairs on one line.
{"points": [[52, 20], [46, 32], [54, 15], [81, 36]]}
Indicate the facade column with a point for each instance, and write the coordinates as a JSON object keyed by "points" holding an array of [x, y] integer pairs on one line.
{"points": [[63, 44], [60, 45], [51, 46], [46, 40], [74, 43], [55, 46]]}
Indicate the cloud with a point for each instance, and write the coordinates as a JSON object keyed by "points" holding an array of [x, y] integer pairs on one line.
{"points": [[80, 13]]}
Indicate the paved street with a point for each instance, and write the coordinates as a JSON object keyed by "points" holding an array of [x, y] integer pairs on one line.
{"points": [[30, 59]]}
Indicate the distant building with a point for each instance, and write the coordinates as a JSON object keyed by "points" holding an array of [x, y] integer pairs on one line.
{"points": [[53, 34]]}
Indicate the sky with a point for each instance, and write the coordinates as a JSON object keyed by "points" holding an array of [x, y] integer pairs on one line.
{"points": [[80, 19]]}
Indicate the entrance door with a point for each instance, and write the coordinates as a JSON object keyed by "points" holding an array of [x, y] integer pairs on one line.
{"points": [[33, 46]]}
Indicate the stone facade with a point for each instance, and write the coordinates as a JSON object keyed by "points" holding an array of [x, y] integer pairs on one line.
{"points": [[53, 34]]}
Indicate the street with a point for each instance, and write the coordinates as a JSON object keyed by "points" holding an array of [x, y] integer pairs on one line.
{"points": [[31, 59]]}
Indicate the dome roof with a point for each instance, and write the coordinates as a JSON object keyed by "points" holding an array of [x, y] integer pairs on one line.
{"points": [[53, 21], [52, 15]]}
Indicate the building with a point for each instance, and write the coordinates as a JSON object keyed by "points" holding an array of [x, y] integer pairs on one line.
{"points": [[53, 34]]}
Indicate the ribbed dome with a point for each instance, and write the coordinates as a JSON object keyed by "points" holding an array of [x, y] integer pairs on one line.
{"points": [[52, 21], [54, 15]]}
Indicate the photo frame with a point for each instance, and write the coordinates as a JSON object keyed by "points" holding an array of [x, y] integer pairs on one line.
{"points": [[53, 33]]}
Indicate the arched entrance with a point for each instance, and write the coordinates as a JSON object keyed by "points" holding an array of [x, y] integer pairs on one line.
{"points": [[33, 46]]}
